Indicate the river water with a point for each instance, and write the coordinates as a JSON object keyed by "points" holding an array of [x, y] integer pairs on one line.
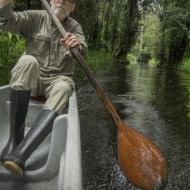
{"points": [[153, 101]]}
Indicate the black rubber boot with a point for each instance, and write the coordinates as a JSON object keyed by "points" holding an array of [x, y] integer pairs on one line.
{"points": [[19, 101], [36, 135]]}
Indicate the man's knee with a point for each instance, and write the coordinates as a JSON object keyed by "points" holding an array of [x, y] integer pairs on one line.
{"points": [[58, 97], [62, 88], [25, 73], [29, 61]]}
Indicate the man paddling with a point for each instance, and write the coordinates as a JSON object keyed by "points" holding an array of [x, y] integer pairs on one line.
{"points": [[45, 69]]}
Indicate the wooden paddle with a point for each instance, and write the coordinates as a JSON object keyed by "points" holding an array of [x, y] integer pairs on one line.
{"points": [[140, 159]]}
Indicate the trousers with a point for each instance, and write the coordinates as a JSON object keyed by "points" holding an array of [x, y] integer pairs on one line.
{"points": [[57, 89]]}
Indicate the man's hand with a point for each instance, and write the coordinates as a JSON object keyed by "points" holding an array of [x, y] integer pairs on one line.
{"points": [[70, 40]]}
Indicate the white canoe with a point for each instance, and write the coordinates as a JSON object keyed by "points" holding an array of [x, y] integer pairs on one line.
{"points": [[56, 163]]}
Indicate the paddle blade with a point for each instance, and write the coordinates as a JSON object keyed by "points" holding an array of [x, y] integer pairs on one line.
{"points": [[141, 160]]}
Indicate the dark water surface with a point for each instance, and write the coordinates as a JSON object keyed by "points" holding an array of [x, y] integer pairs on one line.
{"points": [[151, 100]]}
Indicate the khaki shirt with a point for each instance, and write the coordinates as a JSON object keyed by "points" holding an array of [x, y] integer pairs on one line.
{"points": [[43, 38]]}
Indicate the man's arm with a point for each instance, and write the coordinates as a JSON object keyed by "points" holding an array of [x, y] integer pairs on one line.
{"points": [[13, 22], [5, 2]]}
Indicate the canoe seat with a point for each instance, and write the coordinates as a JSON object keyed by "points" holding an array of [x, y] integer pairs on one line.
{"points": [[38, 98]]}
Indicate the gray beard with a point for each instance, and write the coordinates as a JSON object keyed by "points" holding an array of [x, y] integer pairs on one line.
{"points": [[60, 14]]}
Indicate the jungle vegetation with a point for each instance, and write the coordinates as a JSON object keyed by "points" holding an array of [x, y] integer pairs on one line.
{"points": [[154, 31]]}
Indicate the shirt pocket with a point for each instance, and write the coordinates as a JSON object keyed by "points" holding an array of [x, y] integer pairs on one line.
{"points": [[63, 53], [39, 44]]}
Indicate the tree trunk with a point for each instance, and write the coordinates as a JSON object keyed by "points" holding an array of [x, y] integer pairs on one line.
{"points": [[176, 52], [130, 30]]}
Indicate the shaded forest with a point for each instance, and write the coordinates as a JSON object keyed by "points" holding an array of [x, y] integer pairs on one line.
{"points": [[148, 29]]}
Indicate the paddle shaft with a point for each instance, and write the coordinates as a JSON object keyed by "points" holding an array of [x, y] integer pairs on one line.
{"points": [[75, 53]]}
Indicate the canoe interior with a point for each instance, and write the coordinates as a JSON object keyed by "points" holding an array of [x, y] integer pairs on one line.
{"points": [[56, 163]]}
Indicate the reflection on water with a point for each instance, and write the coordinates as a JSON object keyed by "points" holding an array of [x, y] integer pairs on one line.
{"points": [[151, 100]]}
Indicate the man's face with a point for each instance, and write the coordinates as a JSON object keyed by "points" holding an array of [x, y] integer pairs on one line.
{"points": [[62, 8]]}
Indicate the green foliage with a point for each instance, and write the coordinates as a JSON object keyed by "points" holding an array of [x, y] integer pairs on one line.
{"points": [[165, 33], [153, 63], [131, 58], [4, 76], [176, 21], [29, 4], [99, 60], [111, 25], [174, 18], [185, 65], [148, 29], [148, 41], [99, 57], [152, 35], [188, 106], [11, 48]]}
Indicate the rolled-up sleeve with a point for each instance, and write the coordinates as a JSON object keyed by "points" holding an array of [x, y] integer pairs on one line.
{"points": [[11, 21], [5, 13], [77, 30]]}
